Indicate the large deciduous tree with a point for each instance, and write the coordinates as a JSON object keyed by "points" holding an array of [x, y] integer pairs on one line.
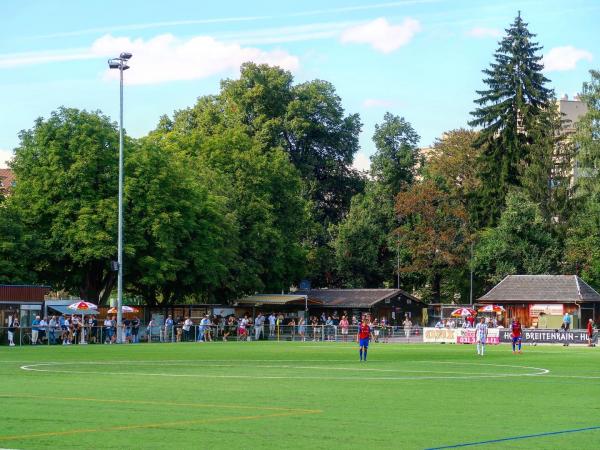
{"points": [[66, 195], [365, 245], [395, 162], [451, 162], [306, 120], [180, 237], [434, 229], [513, 113]]}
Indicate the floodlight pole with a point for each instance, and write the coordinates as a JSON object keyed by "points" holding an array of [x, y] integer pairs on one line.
{"points": [[121, 64]]}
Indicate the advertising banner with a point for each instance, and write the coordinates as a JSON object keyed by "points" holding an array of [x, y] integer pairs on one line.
{"points": [[467, 336], [458, 335], [540, 336], [445, 335]]}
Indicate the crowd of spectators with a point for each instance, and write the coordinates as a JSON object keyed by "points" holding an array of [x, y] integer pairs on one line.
{"points": [[78, 329]]}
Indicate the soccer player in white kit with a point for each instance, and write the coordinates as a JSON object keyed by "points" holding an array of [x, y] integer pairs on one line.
{"points": [[481, 331]]}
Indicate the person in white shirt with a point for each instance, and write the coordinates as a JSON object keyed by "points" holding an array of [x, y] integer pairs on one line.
{"points": [[108, 330], [187, 326], [43, 328], [272, 321], [481, 332], [407, 326], [259, 328], [243, 329]]}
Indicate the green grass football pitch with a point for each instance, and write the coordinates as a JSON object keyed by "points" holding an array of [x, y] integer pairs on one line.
{"points": [[298, 395]]}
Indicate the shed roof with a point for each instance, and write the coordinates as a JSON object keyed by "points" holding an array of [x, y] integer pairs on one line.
{"points": [[354, 298], [274, 299], [23, 293], [541, 289]]}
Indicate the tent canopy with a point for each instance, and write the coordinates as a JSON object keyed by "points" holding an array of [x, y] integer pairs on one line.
{"points": [[62, 309]]}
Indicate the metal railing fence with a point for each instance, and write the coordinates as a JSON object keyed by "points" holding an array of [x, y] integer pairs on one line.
{"points": [[150, 333]]}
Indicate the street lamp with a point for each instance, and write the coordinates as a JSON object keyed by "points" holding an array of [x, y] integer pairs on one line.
{"points": [[120, 64]]}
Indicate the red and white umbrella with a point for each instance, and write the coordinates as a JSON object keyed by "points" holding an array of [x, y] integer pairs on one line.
{"points": [[491, 309], [463, 312], [124, 308], [82, 306]]}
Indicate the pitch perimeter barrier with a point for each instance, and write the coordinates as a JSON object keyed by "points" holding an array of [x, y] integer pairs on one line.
{"points": [[47, 335], [543, 336], [150, 333], [503, 335], [458, 335]]}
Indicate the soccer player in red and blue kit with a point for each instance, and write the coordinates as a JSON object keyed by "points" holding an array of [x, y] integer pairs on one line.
{"points": [[516, 334], [363, 336]]}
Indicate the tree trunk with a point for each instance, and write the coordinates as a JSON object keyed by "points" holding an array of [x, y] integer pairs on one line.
{"points": [[436, 287]]}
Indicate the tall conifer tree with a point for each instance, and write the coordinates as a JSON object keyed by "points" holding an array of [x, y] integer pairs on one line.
{"points": [[514, 105]]}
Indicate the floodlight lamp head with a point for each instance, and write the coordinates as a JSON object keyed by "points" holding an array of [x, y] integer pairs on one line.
{"points": [[125, 56], [114, 64]]}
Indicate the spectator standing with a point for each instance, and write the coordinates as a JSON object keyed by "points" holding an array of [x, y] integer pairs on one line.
{"points": [[127, 330], [315, 327], [149, 329], [407, 324], [108, 330], [63, 327], [68, 331], [230, 328], [205, 326], [52, 327], [187, 326], [344, 328], [329, 328], [93, 327], [35, 330], [135, 329], [590, 332], [272, 322], [302, 329], [13, 326], [292, 326], [259, 326], [168, 329], [567, 321], [243, 328], [75, 329], [384, 331], [43, 328]]}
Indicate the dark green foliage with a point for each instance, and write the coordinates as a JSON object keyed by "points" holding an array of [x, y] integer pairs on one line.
{"points": [[522, 243], [512, 113], [66, 196], [394, 163]]}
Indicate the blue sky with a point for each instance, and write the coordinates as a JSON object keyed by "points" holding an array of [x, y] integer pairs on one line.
{"points": [[421, 59]]}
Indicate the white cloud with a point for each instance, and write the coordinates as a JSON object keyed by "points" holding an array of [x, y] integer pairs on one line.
{"points": [[163, 57], [482, 32], [9, 60], [167, 58], [361, 162], [564, 58], [5, 156], [378, 103], [382, 35]]}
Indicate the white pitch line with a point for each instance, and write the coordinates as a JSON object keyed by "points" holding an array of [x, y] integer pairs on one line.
{"points": [[459, 375]]}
